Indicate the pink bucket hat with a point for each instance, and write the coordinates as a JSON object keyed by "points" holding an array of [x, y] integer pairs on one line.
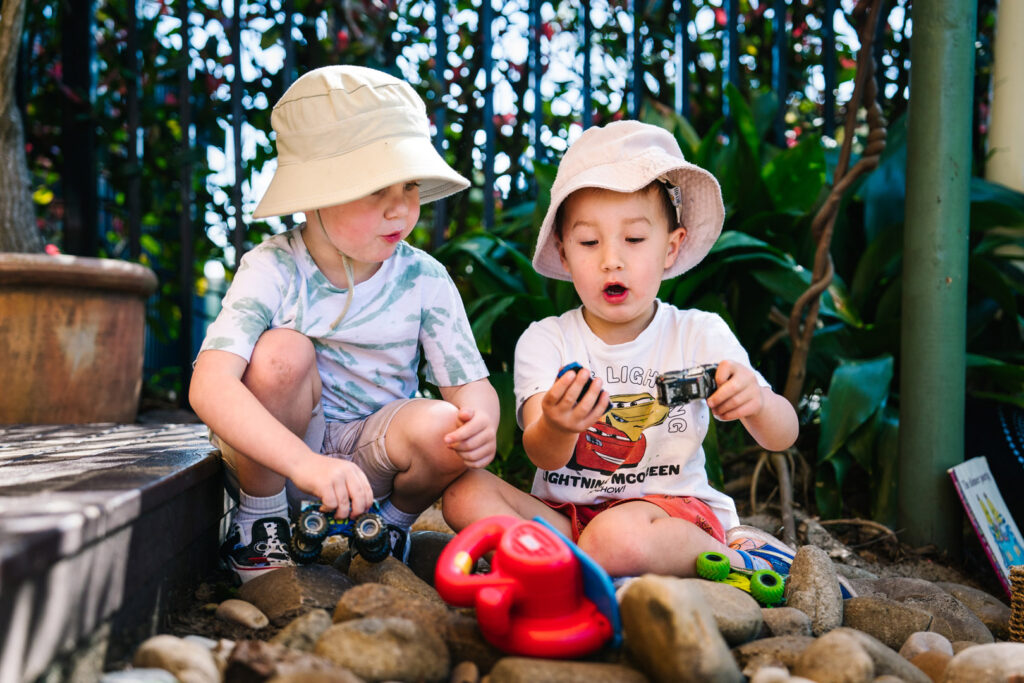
{"points": [[626, 156], [344, 132]]}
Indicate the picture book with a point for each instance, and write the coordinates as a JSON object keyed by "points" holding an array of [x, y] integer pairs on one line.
{"points": [[992, 522]]}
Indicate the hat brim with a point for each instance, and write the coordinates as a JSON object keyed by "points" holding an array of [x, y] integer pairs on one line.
{"points": [[701, 213], [319, 183]]}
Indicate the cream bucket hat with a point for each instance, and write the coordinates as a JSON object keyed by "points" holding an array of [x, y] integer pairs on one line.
{"points": [[344, 132], [626, 156]]}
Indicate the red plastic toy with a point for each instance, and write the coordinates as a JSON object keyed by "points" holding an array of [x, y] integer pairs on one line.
{"points": [[542, 598]]}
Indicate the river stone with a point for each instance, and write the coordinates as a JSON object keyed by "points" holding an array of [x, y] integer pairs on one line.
{"points": [[285, 593], [992, 612], [987, 663], [424, 551], [672, 633], [932, 662], [836, 657], [190, 662], [392, 572], [924, 641], [465, 672], [254, 660], [302, 632], [785, 621], [813, 588], [386, 649], [242, 612], [531, 670], [737, 614], [889, 621], [887, 661], [783, 650], [378, 600], [461, 633]]}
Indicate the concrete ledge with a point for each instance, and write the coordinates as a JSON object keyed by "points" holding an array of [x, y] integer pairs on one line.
{"points": [[98, 524]]}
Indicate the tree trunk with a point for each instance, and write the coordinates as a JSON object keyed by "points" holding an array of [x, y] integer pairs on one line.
{"points": [[17, 217]]}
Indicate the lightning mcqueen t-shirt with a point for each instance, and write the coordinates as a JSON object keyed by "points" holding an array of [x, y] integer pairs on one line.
{"points": [[638, 447]]}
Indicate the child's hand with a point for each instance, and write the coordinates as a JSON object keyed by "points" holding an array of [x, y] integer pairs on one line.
{"points": [[563, 411], [339, 484], [738, 394], [475, 439]]}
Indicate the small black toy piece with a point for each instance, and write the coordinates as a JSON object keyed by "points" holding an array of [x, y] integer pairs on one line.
{"points": [[367, 533], [577, 367], [682, 386]]}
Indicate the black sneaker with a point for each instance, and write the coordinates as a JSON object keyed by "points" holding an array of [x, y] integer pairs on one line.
{"points": [[401, 544], [267, 551]]}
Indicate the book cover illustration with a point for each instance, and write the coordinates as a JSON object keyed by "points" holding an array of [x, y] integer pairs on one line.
{"points": [[992, 522]]}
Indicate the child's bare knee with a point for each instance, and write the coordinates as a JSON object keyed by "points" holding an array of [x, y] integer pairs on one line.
{"points": [[281, 358]]}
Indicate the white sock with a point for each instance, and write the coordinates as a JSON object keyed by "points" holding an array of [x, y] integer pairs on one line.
{"points": [[396, 517], [252, 508]]}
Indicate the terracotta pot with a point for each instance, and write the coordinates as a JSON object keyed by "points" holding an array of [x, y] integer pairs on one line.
{"points": [[72, 335]]}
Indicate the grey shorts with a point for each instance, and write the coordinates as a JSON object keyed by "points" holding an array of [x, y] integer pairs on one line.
{"points": [[360, 441]]}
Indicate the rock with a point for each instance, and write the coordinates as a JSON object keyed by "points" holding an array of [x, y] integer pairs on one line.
{"points": [[951, 617], [737, 614], [836, 657], [461, 633], [254, 661], [851, 572], [961, 645], [285, 593], [813, 588], [925, 641], [386, 649], [782, 650], [392, 573], [464, 672], [992, 612], [887, 620], [378, 600], [933, 663], [987, 663], [425, 549], [332, 676], [671, 632], [432, 520], [785, 621], [333, 548], [770, 674], [139, 676], [190, 662], [531, 670], [242, 612], [303, 631], [887, 661]]}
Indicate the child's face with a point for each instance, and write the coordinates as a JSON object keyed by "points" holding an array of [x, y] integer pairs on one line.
{"points": [[617, 246], [369, 229]]}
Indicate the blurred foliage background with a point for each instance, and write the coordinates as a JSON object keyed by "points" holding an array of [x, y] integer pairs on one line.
{"points": [[772, 184]]}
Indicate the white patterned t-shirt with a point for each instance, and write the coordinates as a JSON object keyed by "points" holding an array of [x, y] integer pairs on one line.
{"points": [[408, 307]]}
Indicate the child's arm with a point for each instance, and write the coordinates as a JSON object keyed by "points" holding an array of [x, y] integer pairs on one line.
{"points": [[553, 420], [768, 417], [475, 439], [232, 412]]}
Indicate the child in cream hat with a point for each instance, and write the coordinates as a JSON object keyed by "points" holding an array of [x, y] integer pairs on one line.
{"points": [[308, 376], [618, 472]]}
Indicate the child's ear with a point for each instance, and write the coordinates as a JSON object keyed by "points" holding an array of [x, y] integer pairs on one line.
{"points": [[561, 253], [676, 238]]}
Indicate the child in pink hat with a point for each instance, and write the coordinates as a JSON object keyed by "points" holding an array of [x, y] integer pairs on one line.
{"points": [[308, 378], [618, 472]]}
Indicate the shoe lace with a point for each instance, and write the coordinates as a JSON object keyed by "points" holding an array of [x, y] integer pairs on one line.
{"points": [[273, 544]]}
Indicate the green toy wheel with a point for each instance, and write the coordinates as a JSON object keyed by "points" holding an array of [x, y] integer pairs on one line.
{"points": [[305, 550], [312, 524], [767, 587], [713, 566]]}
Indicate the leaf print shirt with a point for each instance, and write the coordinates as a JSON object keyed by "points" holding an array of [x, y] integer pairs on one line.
{"points": [[372, 357]]}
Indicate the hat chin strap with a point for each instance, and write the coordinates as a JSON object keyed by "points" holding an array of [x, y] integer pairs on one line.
{"points": [[347, 263]]}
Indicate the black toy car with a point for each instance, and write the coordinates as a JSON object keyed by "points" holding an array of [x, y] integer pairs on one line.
{"points": [[367, 534], [682, 386]]}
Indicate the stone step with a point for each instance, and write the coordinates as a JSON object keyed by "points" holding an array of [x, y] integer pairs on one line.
{"points": [[100, 525]]}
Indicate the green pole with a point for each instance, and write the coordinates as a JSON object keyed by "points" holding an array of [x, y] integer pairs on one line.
{"points": [[934, 305]]}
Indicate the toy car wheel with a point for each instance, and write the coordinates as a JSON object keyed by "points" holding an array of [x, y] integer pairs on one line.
{"points": [[305, 550], [312, 524], [767, 587], [713, 566], [370, 537]]}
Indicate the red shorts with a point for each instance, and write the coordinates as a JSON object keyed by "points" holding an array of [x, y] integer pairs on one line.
{"points": [[693, 510]]}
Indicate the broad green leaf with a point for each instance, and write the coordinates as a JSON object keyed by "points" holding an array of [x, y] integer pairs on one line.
{"points": [[795, 176], [743, 118], [485, 312], [713, 459], [503, 384], [885, 503], [858, 389], [994, 205], [828, 485]]}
